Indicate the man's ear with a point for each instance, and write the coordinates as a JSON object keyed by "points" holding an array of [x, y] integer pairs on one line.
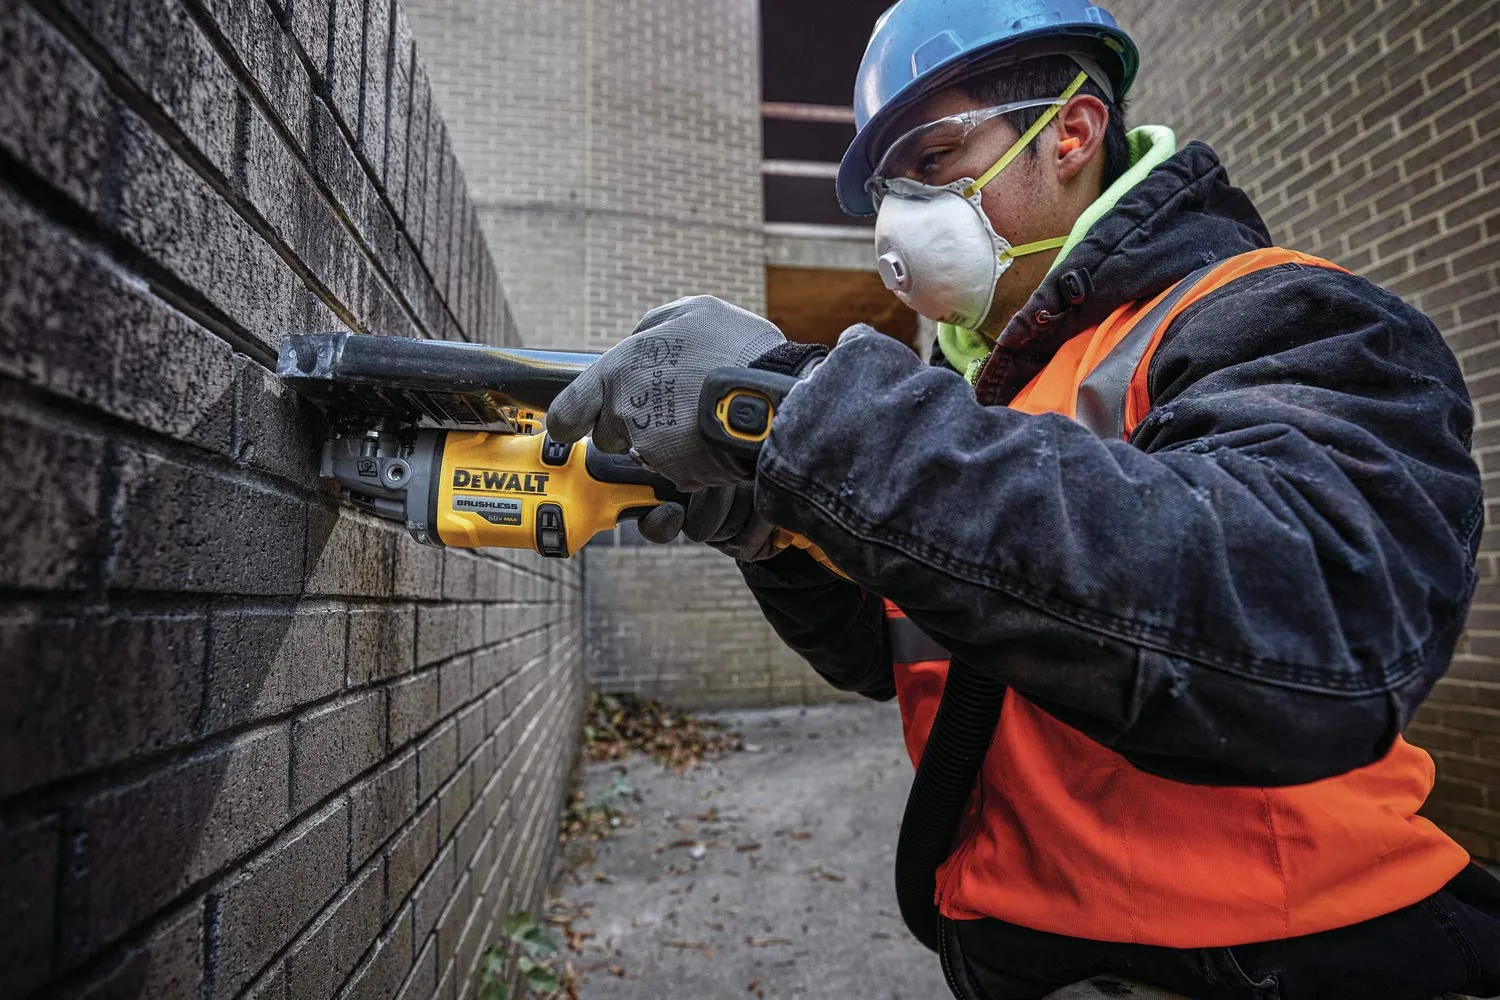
{"points": [[1080, 135]]}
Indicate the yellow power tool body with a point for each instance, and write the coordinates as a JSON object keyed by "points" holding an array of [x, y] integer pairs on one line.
{"points": [[447, 438]]}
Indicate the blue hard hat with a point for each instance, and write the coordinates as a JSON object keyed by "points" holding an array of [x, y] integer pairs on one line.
{"points": [[921, 46]]}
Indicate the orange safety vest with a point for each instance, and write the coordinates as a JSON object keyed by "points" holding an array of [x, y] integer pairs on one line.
{"points": [[1065, 835]]}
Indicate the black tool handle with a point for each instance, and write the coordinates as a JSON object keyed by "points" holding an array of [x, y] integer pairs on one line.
{"points": [[737, 405], [625, 469]]}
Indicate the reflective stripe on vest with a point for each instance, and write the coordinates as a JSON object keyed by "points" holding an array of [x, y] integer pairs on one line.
{"points": [[1067, 836], [1101, 398]]}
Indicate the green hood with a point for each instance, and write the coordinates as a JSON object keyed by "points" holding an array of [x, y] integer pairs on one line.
{"points": [[1150, 146]]}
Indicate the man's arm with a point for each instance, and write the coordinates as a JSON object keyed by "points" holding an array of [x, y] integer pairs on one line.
{"points": [[1259, 589], [833, 624]]}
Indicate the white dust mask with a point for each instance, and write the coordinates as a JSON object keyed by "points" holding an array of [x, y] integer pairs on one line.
{"points": [[936, 248]]}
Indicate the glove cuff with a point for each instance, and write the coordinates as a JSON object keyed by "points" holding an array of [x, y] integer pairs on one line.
{"points": [[788, 358]]}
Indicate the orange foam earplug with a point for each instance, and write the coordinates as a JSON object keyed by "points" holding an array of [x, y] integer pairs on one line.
{"points": [[1069, 145]]}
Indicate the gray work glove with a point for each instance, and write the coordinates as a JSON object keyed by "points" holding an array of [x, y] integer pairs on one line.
{"points": [[642, 395], [723, 516]]}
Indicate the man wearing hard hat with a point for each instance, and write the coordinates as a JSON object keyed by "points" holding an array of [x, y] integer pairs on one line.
{"points": [[1195, 513]]}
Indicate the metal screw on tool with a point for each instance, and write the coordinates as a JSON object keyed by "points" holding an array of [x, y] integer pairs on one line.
{"points": [[396, 473]]}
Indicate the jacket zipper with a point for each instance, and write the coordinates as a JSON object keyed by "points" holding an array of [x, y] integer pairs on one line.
{"points": [[955, 861], [947, 962]]}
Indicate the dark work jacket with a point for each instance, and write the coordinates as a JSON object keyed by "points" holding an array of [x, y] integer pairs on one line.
{"points": [[1259, 587]]}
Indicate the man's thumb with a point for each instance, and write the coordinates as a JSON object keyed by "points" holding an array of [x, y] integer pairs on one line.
{"points": [[575, 410]]}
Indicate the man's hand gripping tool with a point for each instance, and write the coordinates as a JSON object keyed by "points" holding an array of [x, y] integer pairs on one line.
{"points": [[447, 438]]}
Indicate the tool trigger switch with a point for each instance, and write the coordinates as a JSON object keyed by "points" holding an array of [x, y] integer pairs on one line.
{"points": [[551, 531], [554, 453]]}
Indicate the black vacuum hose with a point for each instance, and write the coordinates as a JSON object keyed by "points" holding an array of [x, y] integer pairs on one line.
{"points": [[960, 737]]}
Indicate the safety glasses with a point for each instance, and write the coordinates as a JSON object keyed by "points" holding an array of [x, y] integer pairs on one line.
{"points": [[927, 151]]}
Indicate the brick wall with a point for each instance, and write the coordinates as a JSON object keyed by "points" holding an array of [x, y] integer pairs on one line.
{"points": [[251, 742], [614, 150], [704, 648], [1364, 130]]}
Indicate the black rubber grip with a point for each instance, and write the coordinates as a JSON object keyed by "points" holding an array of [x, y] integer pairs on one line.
{"points": [[607, 468], [736, 407]]}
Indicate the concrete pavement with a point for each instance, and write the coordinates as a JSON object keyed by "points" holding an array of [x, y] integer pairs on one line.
{"points": [[766, 873]]}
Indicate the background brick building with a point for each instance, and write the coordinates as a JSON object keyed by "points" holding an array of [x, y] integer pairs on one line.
{"points": [[251, 741]]}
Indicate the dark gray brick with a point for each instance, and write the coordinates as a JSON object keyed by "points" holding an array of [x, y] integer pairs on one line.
{"points": [[470, 944], [80, 692], [382, 643], [471, 830], [494, 709], [269, 55], [158, 47], [409, 856], [468, 629], [432, 895], [417, 154], [28, 871], [437, 638], [377, 54], [451, 922], [455, 684], [327, 953], [470, 730], [50, 517], [413, 707], [265, 660], [497, 623], [308, 20], [454, 801], [437, 759], [267, 904], [168, 964], [434, 213], [488, 580], [458, 214], [193, 529], [347, 32], [379, 804], [176, 826], [419, 570], [269, 985], [348, 553], [332, 744], [423, 979], [75, 326], [381, 975], [61, 129], [275, 430], [447, 986], [491, 666], [394, 170], [176, 218], [336, 166], [458, 575]]}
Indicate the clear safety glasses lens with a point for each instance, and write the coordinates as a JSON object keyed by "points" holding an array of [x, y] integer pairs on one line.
{"points": [[928, 152]]}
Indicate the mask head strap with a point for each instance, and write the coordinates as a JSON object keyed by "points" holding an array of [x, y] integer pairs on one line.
{"points": [[1027, 137]]}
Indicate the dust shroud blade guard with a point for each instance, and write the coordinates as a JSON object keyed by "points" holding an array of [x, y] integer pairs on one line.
{"points": [[357, 377]]}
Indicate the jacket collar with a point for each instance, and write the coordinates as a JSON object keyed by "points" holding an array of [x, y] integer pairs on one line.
{"points": [[1183, 215]]}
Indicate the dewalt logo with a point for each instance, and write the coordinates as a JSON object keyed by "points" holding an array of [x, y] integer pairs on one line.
{"points": [[496, 481]]}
